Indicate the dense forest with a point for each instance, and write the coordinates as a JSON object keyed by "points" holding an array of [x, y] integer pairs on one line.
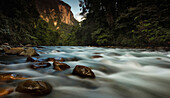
{"points": [[125, 23], [133, 23]]}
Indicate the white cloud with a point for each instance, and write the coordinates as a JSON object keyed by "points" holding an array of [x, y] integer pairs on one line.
{"points": [[79, 17]]}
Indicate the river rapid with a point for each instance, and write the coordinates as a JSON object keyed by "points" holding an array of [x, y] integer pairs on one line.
{"points": [[120, 73]]}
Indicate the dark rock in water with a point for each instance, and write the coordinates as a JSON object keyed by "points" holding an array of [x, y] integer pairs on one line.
{"points": [[58, 50], [97, 53], [42, 52], [97, 56], [32, 59], [6, 91], [40, 65], [60, 66], [158, 58], [9, 76], [34, 87], [4, 77], [14, 51], [51, 59], [29, 52], [62, 60], [40, 47], [83, 71], [67, 59], [72, 59]]}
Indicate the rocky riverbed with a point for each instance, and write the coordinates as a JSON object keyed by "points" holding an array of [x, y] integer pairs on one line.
{"points": [[83, 72]]}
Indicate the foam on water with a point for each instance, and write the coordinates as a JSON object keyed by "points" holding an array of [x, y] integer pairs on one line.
{"points": [[120, 73]]}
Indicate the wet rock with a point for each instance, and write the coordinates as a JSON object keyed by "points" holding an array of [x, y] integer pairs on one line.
{"points": [[60, 66], [42, 52], [51, 59], [21, 45], [32, 59], [40, 65], [4, 48], [29, 52], [61, 60], [1, 49], [28, 45], [6, 91], [67, 59], [72, 59], [14, 51], [34, 87], [6, 44], [8, 76], [83, 71], [58, 50], [40, 47], [158, 58], [97, 53], [97, 56]]}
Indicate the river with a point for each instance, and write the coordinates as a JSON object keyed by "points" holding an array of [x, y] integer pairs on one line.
{"points": [[120, 73]]}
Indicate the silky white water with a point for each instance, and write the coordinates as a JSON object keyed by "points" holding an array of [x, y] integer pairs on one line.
{"points": [[120, 73]]}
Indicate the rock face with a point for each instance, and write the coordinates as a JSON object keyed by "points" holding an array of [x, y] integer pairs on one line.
{"points": [[34, 87], [83, 71], [60, 66], [55, 11], [14, 51], [29, 52]]}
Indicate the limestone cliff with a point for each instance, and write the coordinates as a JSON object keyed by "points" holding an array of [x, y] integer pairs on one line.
{"points": [[55, 12]]}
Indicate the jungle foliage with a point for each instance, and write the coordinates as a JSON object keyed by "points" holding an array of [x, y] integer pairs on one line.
{"points": [[134, 23]]}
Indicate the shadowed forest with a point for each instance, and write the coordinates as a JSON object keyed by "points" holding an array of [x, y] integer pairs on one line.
{"points": [[132, 23]]}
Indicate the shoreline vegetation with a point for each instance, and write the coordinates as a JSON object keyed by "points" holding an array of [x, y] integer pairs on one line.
{"points": [[134, 24], [121, 47]]}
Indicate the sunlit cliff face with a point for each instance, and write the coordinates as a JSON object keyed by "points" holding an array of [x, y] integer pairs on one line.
{"points": [[55, 11]]}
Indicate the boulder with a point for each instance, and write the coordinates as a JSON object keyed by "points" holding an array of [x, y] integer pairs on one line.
{"points": [[5, 47], [96, 56], [34, 87], [83, 71], [62, 60], [32, 59], [1, 49], [14, 51], [71, 59], [51, 59], [29, 52], [40, 47], [28, 45], [40, 65], [6, 91], [6, 44], [21, 45], [9, 76], [60, 66]]}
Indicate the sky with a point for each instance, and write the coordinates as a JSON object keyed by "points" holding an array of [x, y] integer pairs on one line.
{"points": [[74, 8]]}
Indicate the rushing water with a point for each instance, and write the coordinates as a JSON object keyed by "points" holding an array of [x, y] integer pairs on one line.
{"points": [[120, 73]]}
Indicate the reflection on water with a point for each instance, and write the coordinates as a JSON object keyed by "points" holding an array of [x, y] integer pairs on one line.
{"points": [[120, 73]]}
